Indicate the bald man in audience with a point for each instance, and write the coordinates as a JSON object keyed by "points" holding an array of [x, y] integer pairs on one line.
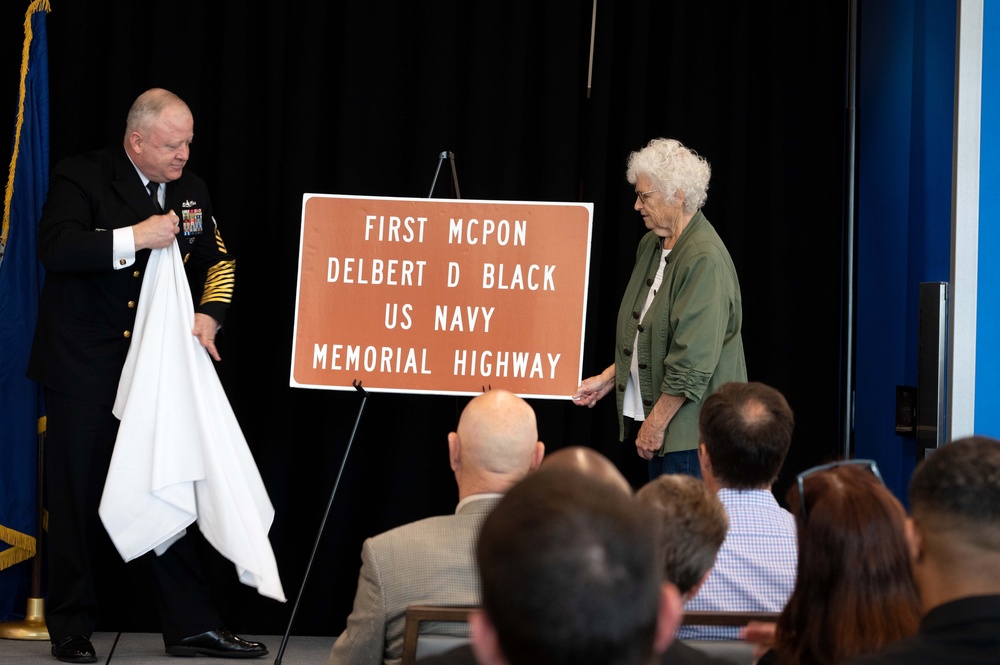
{"points": [[954, 537], [432, 561], [590, 462]]}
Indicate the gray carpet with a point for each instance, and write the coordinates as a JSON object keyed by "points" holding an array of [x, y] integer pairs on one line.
{"points": [[147, 649]]}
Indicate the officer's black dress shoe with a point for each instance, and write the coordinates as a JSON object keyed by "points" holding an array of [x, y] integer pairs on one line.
{"points": [[74, 649], [221, 643]]}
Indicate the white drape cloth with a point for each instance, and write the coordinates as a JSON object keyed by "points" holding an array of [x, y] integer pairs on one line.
{"points": [[180, 454]]}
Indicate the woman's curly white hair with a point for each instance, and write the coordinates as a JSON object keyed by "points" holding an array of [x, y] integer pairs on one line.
{"points": [[673, 168]]}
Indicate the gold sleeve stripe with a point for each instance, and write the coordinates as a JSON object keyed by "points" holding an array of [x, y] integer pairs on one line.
{"points": [[219, 283], [218, 240], [221, 277]]}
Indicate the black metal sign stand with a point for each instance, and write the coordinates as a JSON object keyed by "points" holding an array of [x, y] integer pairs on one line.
{"points": [[322, 525], [450, 156]]}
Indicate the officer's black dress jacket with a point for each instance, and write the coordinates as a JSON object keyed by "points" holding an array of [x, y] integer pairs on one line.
{"points": [[87, 308]]}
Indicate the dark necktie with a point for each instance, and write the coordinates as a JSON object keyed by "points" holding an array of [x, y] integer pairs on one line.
{"points": [[154, 189]]}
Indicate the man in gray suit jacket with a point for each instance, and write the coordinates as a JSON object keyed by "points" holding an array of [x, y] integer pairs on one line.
{"points": [[432, 561]]}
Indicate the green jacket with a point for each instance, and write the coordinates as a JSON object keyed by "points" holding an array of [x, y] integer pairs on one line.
{"points": [[689, 340]]}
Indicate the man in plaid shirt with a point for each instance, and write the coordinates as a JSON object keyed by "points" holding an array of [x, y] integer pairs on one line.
{"points": [[745, 431]]}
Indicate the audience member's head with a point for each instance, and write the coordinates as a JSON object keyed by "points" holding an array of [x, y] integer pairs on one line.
{"points": [[571, 574], [954, 529], [496, 443], [587, 461], [693, 526], [854, 592], [745, 430]]}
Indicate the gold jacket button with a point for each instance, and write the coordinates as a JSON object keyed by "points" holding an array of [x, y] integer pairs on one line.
{"points": [[135, 273], [131, 304], [127, 334]]}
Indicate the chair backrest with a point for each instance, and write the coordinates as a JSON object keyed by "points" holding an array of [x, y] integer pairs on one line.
{"points": [[727, 618], [737, 652], [418, 645]]}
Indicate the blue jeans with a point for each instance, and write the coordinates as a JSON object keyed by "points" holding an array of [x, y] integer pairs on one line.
{"points": [[683, 461]]}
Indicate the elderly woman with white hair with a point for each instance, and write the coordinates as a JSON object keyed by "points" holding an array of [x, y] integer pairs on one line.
{"points": [[679, 325]]}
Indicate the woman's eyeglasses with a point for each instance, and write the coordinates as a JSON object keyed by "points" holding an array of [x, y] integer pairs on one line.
{"points": [[642, 195], [872, 466]]}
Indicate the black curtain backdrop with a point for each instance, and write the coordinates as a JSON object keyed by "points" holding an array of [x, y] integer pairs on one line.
{"points": [[359, 97]]}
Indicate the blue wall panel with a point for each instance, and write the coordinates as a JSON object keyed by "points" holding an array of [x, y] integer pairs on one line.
{"points": [[988, 302], [905, 111]]}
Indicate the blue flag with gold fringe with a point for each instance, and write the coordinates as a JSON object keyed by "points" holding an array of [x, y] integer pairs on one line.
{"points": [[20, 280]]}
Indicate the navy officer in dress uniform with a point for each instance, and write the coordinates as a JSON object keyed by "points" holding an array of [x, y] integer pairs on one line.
{"points": [[104, 213]]}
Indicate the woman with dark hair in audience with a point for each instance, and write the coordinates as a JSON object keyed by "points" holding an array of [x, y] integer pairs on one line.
{"points": [[854, 591]]}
